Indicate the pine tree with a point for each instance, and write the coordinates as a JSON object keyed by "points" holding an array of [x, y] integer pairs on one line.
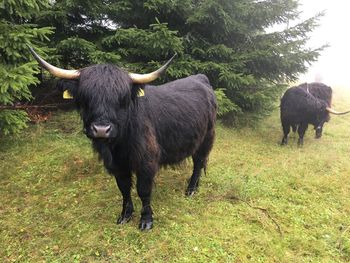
{"points": [[80, 27], [229, 41], [17, 71]]}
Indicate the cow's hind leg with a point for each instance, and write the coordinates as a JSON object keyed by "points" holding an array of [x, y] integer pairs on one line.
{"points": [[198, 164], [286, 130], [200, 158], [124, 182], [301, 131]]}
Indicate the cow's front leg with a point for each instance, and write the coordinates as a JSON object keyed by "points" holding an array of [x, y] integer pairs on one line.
{"points": [[144, 190], [124, 183]]}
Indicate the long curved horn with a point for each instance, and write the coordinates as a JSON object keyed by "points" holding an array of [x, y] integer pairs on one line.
{"points": [[330, 110], [146, 78], [58, 72]]}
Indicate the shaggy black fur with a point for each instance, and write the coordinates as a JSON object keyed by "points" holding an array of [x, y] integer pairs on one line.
{"points": [[320, 91], [303, 105], [168, 124]]}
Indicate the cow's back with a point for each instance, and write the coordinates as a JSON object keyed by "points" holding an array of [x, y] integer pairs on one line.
{"points": [[298, 105], [181, 113], [320, 91], [295, 104]]}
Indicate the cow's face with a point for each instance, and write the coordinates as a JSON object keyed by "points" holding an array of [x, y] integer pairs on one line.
{"points": [[322, 117], [319, 131], [103, 95]]}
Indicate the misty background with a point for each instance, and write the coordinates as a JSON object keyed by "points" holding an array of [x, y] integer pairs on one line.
{"points": [[332, 66]]}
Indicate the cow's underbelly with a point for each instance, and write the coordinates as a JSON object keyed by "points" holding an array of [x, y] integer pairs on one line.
{"points": [[175, 149], [300, 117], [168, 157]]}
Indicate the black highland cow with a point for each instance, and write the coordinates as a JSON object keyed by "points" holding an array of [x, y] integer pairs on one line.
{"points": [[321, 92], [138, 134], [306, 104]]}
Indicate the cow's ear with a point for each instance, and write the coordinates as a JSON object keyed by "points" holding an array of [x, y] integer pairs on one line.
{"points": [[68, 87], [137, 91]]}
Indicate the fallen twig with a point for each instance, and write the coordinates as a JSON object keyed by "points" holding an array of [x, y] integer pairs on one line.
{"points": [[264, 210], [16, 107]]}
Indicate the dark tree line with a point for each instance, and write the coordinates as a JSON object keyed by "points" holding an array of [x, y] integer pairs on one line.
{"points": [[230, 41]]}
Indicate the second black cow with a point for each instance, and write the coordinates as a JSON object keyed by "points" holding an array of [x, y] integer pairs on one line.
{"points": [[303, 105]]}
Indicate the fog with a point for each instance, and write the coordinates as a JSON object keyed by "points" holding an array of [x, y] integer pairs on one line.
{"points": [[332, 67]]}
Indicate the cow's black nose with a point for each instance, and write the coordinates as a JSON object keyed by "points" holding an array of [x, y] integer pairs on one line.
{"points": [[101, 131]]}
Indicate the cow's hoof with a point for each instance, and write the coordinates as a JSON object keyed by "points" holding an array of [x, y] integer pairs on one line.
{"points": [[124, 219], [284, 142], [145, 225], [190, 192]]}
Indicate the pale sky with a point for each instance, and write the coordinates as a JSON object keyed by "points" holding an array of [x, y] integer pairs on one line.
{"points": [[333, 66]]}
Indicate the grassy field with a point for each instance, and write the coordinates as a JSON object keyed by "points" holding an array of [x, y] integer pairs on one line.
{"points": [[259, 202]]}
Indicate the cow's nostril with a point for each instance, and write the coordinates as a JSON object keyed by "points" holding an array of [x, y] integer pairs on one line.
{"points": [[101, 131], [108, 129]]}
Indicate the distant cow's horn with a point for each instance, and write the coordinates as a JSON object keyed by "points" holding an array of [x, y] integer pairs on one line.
{"points": [[146, 78], [330, 110], [58, 72]]}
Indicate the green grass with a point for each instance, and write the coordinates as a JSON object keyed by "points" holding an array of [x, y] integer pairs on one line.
{"points": [[259, 202]]}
